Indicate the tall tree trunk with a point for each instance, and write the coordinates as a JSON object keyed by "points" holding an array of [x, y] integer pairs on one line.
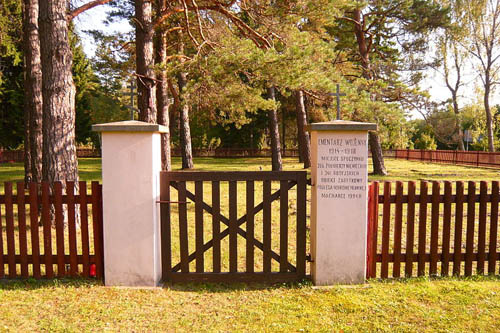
{"points": [[33, 91], [489, 118], [458, 122], [364, 52], [277, 164], [59, 148], [185, 131], [146, 99], [303, 137], [27, 151], [377, 155], [162, 101]]}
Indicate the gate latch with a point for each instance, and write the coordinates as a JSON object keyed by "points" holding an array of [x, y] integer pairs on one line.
{"points": [[309, 258]]}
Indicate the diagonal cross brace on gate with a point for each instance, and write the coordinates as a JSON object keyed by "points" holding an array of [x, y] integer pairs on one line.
{"points": [[239, 222], [287, 179]]}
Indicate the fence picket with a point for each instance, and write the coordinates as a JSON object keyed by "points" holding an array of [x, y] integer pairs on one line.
{"points": [[386, 230], [183, 228], [459, 215], [398, 223], [301, 224], [434, 227], [84, 228], [35, 242], [422, 228], [233, 227], [493, 227], [21, 220], [2, 265], [198, 207], [445, 264], [216, 226], [471, 216], [481, 241], [47, 231], [266, 198], [9, 219], [70, 195], [410, 229], [61, 269], [250, 186], [283, 226]]}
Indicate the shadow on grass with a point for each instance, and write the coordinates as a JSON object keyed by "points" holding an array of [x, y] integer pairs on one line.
{"points": [[237, 286], [32, 284]]}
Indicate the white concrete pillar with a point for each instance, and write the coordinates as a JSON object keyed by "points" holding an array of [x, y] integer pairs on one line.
{"points": [[339, 157], [131, 165]]}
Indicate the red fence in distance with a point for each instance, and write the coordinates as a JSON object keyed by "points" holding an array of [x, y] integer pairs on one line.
{"points": [[436, 229], [46, 231], [473, 158]]}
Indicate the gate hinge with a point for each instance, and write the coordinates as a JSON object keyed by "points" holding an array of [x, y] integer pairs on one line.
{"points": [[309, 258]]}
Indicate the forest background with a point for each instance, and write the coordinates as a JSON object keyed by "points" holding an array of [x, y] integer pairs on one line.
{"points": [[251, 74]]}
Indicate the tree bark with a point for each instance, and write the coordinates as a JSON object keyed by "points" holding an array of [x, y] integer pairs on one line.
{"points": [[303, 137], [458, 122], [276, 162], [377, 155], [185, 131], [33, 91], [146, 99], [27, 150], [162, 101], [489, 118], [59, 149]]}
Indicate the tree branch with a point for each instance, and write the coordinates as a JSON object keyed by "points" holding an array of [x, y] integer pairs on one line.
{"points": [[77, 11]]}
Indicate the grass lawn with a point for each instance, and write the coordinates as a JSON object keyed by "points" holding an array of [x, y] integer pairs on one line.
{"points": [[453, 304]]}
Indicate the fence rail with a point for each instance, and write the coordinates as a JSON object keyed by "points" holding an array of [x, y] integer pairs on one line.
{"points": [[418, 230], [474, 158], [46, 231]]}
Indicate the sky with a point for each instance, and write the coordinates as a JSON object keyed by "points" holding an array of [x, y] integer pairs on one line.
{"points": [[93, 20]]}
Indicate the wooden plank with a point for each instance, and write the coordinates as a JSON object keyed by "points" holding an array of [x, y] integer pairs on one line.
{"points": [[216, 226], [301, 224], [198, 207], [232, 175], [250, 197], [266, 199], [84, 228], [9, 219], [459, 215], [495, 196], [434, 227], [61, 269], [233, 227], [386, 220], [183, 227], [35, 242], [471, 217], [398, 226], [21, 221], [371, 242], [422, 225], [235, 277], [70, 192], [165, 229], [481, 239], [47, 231], [445, 264], [283, 226], [2, 265], [97, 226]]}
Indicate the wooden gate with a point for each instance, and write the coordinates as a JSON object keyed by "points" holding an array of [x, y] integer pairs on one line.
{"points": [[217, 254]]}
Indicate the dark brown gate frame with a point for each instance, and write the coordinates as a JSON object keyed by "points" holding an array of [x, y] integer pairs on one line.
{"points": [[288, 179]]}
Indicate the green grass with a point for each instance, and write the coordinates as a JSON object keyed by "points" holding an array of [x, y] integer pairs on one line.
{"points": [[451, 305]]}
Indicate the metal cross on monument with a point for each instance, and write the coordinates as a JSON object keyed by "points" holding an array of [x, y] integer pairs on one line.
{"points": [[337, 94]]}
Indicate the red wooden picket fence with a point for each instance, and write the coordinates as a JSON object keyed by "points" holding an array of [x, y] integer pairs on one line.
{"points": [[473, 158], [432, 233], [32, 245]]}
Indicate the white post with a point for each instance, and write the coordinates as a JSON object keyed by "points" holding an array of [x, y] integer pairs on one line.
{"points": [[339, 154], [131, 165]]}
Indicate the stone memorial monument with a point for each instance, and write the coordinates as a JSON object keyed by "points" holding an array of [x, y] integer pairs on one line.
{"points": [[339, 156]]}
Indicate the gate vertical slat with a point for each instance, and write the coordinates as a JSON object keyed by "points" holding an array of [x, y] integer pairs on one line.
{"points": [[216, 226], [283, 226], [422, 228], [166, 236], [9, 219], [183, 228], [70, 193], [233, 228], [410, 229], [471, 216], [397, 229], [493, 227], [250, 186], [384, 273], [47, 233], [481, 246], [2, 266], [84, 227], [35, 242], [434, 227], [267, 225], [198, 207], [97, 227], [459, 215], [21, 217], [301, 224], [445, 265]]}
